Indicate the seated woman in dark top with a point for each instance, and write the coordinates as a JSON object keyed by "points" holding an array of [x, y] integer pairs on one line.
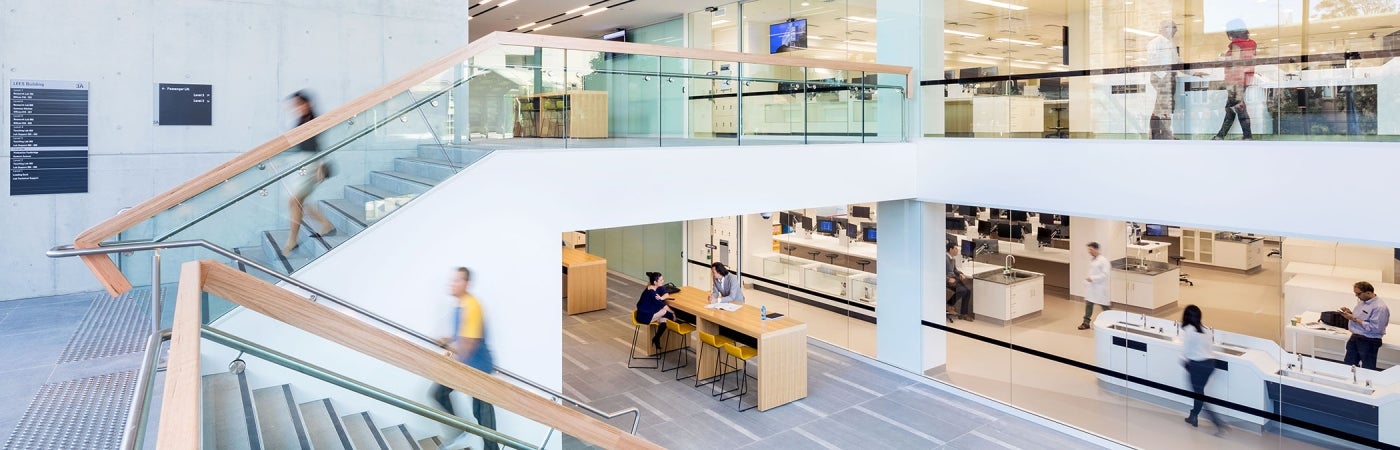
{"points": [[652, 306]]}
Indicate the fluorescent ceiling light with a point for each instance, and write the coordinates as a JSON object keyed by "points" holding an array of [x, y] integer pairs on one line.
{"points": [[1000, 5], [541, 27], [963, 33], [1140, 32], [581, 8], [507, 2], [860, 19], [596, 11], [1030, 62], [482, 2], [720, 22], [528, 25], [978, 60], [1016, 41], [1055, 47], [1024, 66]]}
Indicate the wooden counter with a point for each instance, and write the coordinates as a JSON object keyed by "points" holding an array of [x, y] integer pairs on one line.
{"points": [[585, 282], [782, 346]]}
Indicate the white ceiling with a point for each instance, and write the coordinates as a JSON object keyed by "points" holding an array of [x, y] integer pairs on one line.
{"points": [[630, 14]]}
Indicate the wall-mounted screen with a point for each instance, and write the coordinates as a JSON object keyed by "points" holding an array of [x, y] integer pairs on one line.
{"points": [[787, 36]]}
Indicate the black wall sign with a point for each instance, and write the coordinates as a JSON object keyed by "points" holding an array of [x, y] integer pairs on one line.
{"points": [[48, 137], [184, 104]]}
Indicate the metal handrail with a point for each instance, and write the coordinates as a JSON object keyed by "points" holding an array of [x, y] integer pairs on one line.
{"points": [[64, 251], [323, 374]]}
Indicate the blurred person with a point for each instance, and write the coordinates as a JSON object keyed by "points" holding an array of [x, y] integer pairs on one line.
{"points": [[652, 308], [1162, 51], [1367, 322], [728, 288], [1200, 363], [1237, 78], [1097, 294], [468, 345], [302, 186]]}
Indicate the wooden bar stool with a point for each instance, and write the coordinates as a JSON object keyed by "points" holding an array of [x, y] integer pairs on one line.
{"points": [[742, 354], [632, 355], [708, 341], [681, 330]]}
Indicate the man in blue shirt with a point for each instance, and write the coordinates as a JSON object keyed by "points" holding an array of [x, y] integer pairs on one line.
{"points": [[1367, 323]]}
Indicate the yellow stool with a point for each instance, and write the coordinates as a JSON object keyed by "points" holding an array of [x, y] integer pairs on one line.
{"points": [[683, 331], [743, 355], [632, 355], [708, 340]]}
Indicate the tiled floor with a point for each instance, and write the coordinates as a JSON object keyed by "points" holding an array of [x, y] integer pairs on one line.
{"points": [[850, 403], [33, 334]]}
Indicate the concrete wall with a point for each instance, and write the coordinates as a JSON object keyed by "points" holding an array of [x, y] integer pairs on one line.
{"points": [[254, 53]]}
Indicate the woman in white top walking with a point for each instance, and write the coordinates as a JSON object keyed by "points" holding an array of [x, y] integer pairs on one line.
{"points": [[1200, 363]]}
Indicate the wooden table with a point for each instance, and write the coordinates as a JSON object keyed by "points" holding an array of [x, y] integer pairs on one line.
{"points": [[782, 346], [585, 282]]}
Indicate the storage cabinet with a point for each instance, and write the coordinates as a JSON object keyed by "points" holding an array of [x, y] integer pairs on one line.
{"points": [[574, 114]]}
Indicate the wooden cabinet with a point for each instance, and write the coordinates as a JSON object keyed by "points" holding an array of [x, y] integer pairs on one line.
{"points": [[574, 114]]}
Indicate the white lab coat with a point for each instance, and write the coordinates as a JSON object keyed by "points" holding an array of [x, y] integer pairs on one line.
{"points": [[1098, 281]]}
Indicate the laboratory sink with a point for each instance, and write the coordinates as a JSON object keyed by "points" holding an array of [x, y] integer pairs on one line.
{"points": [[1327, 380], [1229, 351], [1015, 276], [1121, 326]]}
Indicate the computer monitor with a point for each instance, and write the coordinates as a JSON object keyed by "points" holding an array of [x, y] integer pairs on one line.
{"points": [[997, 213], [826, 225], [967, 211], [985, 227], [1044, 235], [861, 212], [1010, 231], [851, 231], [806, 221], [1064, 220], [969, 248], [1156, 230], [785, 219], [1047, 219], [956, 223], [1019, 216], [948, 207], [868, 233]]}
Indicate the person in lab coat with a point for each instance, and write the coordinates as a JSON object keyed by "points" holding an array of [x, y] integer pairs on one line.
{"points": [[1097, 294]]}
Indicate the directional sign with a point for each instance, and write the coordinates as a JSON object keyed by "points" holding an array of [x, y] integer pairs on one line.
{"points": [[184, 104]]}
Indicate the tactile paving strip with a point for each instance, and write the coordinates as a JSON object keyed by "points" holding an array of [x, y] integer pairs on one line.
{"points": [[112, 327], [76, 414]]}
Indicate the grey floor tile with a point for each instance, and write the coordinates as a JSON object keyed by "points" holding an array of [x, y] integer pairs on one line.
{"points": [[17, 391], [1025, 434], [922, 420], [95, 367], [960, 413], [57, 318], [788, 439], [900, 436], [33, 349]]}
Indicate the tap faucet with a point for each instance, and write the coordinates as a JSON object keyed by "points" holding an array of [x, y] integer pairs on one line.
{"points": [[1010, 259], [1353, 374]]}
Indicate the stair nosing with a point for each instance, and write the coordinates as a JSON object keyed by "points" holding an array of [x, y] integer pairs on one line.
{"points": [[428, 183], [348, 215], [438, 162], [250, 413]]}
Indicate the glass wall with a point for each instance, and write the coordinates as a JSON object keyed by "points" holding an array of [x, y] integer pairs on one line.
{"points": [[1117, 368], [817, 265], [1170, 69]]}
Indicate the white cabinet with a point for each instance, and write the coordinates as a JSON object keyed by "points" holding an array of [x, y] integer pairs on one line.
{"points": [[725, 119], [1008, 114], [1005, 302], [1143, 290], [1201, 247]]}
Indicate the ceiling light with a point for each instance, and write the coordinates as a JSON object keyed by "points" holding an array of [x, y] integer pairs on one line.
{"points": [[1016, 41], [507, 2], [1055, 47], [482, 2], [719, 22], [1195, 20], [541, 27], [1029, 62], [528, 25], [1140, 32], [860, 19], [806, 4], [1000, 4], [1336, 26], [596, 11], [1352, 33], [814, 38], [581, 8], [963, 33]]}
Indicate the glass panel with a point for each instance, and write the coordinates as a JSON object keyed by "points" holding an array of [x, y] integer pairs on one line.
{"points": [[884, 99], [614, 100], [772, 103], [710, 112]]}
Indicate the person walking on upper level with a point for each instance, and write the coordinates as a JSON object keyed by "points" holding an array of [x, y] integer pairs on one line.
{"points": [[1162, 51], [728, 288], [1200, 363], [1367, 322], [1238, 76], [468, 345], [1097, 293], [303, 184], [652, 307]]}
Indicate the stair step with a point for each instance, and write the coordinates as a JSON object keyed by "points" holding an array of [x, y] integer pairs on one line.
{"points": [[398, 439], [256, 254], [324, 426], [307, 249], [228, 417], [279, 421], [362, 432], [400, 183], [348, 217], [362, 193], [430, 443], [433, 169], [459, 155]]}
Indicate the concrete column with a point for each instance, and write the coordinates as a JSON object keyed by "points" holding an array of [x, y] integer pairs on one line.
{"points": [[910, 283], [898, 35]]}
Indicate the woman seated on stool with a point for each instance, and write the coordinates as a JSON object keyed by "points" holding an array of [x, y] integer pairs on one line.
{"points": [[652, 306]]}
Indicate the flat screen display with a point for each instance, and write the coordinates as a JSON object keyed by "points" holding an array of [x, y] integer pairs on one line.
{"points": [[956, 223], [827, 226], [787, 36], [969, 248], [1156, 230], [862, 212], [869, 235]]}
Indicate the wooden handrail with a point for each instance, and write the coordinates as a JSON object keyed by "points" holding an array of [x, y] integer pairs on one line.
{"points": [[358, 336], [116, 284]]}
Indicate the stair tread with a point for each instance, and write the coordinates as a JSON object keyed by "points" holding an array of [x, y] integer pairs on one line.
{"points": [[438, 161], [429, 182], [354, 211], [363, 434], [324, 426], [226, 412], [430, 443], [374, 191], [398, 438], [279, 422]]}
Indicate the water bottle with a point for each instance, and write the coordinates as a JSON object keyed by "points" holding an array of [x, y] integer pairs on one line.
{"points": [[763, 313]]}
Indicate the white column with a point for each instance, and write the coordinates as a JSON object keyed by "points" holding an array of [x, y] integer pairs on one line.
{"points": [[911, 289], [899, 37]]}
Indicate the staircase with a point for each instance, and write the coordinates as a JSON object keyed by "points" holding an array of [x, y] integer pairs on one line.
{"points": [[406, 178], [238, 417]]}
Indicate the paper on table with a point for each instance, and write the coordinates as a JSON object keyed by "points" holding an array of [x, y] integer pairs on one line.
{"points": [[731, 307]]}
